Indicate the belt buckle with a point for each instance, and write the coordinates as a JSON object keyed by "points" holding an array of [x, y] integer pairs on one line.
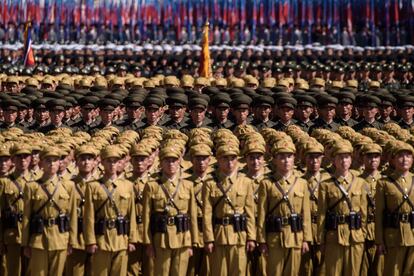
{"points": [[50, 222], [111, 223], [139, 219], [405, 218], [341, 219], [20, 217], [226, 221], [171, 220], [284, 220]]}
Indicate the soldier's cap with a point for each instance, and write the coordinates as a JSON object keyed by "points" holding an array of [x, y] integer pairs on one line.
{"points": [[387, 99], [32, 82], [170, 151], [108, 104], [400, 146], [241, 101], [48, 81], [221, 100], [112, 151], [20, 149], [289, 102], [263, 100], [351, 83], [177, 100], [227, 150], [305, 100], [374, 84], [370, 148], [326, 101], [343, 146], [200, 150], [140, 149], [346, 97], [201, 81], [153, 101], [370, 101], [269, 82], [197, 102], [11, 104], [133, 101], [4, 151], [56, 104], [88, 102], [12, 79], [405, 101], [283, 146], [50, 152], [254, 147], [314, 147], [318, 82], [86, 150]]}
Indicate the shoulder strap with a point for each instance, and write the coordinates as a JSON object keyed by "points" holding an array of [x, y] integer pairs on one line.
{"points": [[405, 195], [49, 198], [313, 190], [110, 198], [344, 192], [285, 196], [170, 197], [225, 196], [82, 196], [20, 196]]}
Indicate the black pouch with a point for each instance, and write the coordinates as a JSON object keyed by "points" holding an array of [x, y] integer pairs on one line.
{"points": [[331, 221], [36, 225], [358, 221], [120, 225], [412, 219], [11, 220], [200, 224], [244, 222], [127, 226], [80, 225], [273, 224], [100, 227], [63, 223], [295, 222], [158, 223], [237, 223], [186, 223]]}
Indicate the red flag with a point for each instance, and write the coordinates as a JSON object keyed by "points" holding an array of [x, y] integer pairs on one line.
{"points": [[28, 53]]}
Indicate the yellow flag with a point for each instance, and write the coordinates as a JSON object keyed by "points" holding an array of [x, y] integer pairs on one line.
{"points": [[205, 66]]}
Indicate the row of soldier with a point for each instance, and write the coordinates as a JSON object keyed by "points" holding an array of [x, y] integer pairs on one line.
{"points": [[207, 202]]}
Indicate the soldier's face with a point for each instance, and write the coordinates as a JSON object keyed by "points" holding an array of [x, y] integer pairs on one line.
{"points": [[197, 114], [263, 112], [372, 161], [10, 116], [22, 161], [327, 113], [313, 162], [386, 111], [111, 165], [241, 114], [140, 163], [284, 162], [50, 165], [35, 158], [5, 164], [369, 112], [255, 162], [403, 161], [342, 161], [86, 163], [56, 116], [227, 164], [176, 112], [407, 113], [285, 113], [170, 166], [200, 163], [304, 112], [344, 109], [222, 113]]}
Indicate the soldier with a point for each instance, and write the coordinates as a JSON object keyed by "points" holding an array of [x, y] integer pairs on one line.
{"points": [[326, 111], [134, 111], [109, 222], [342, 214], [344, 109], [386, 108], [262, 109], [177, 106], [56, 109], [228, 223], [240, 106], [304, 111], [221, 108], [369, 106], [285, 109], [312, 262], [199, 263], [153, 111], [88, 110], [405, 109], [394, 199], [86, 161], [11, 198], [107, 109], [139, 260], [170, 216], [49, 218], [256, 171], [283, 223], [373, 263], [197, 118], [10, 108]]}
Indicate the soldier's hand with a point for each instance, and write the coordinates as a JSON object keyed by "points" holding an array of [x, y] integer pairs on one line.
{"points": [[305, 247], [250, 246], [70, 249], [381, 250], [27, 251], [190, 252], [91, 249], [263, 249], [150, 251], [209, 247], [131, 247]]}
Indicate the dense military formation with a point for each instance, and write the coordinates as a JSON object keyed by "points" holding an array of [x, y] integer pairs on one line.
{"points": [[300, 169]]}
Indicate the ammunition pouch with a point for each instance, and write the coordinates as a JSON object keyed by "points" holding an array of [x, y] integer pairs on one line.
{"points": [[393, 220], [139, 219], [274, 224], [80, 225], [11, 219], [200, 224], [353, 220], [239, 222], [121, 224], [36, 225], [62, 222], [160, 221]]}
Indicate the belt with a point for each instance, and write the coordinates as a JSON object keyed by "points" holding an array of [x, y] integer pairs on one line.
{"points": [[404, 217], [110, 223], [139, 219], [284, 221], [342, 219], [314, 218], [49, 222], [223, 221], [370, 218]]}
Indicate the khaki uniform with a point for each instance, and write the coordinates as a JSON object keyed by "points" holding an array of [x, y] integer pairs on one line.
{"points": [[199, 263], [139, 260], [229, 256], [11, 200], [111, 257], [284, 248], [399, 242], [49, 248], [172, 247], [312, 262], [344, 247], [77, 262], [372, 264]]}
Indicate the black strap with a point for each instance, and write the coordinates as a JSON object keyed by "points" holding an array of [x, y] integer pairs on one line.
{"points": [[198, 202], [138, 194], [345, 193], [170, 197], [313, 190], [225, 196], [285, 196], [82, 196], [406, 197], [49, 198], [371, 200], [110, 198], [20, 196]]}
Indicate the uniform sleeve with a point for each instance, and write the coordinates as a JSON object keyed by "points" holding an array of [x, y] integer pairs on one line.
{"points": [[249, 210], [73, 227], [89, 217], [364, 208], [307, 226], [146, 215], [133, 228], [322, 208], [26, 215], [208, 231], [261, 213], [193, 213], [379, 212]]}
